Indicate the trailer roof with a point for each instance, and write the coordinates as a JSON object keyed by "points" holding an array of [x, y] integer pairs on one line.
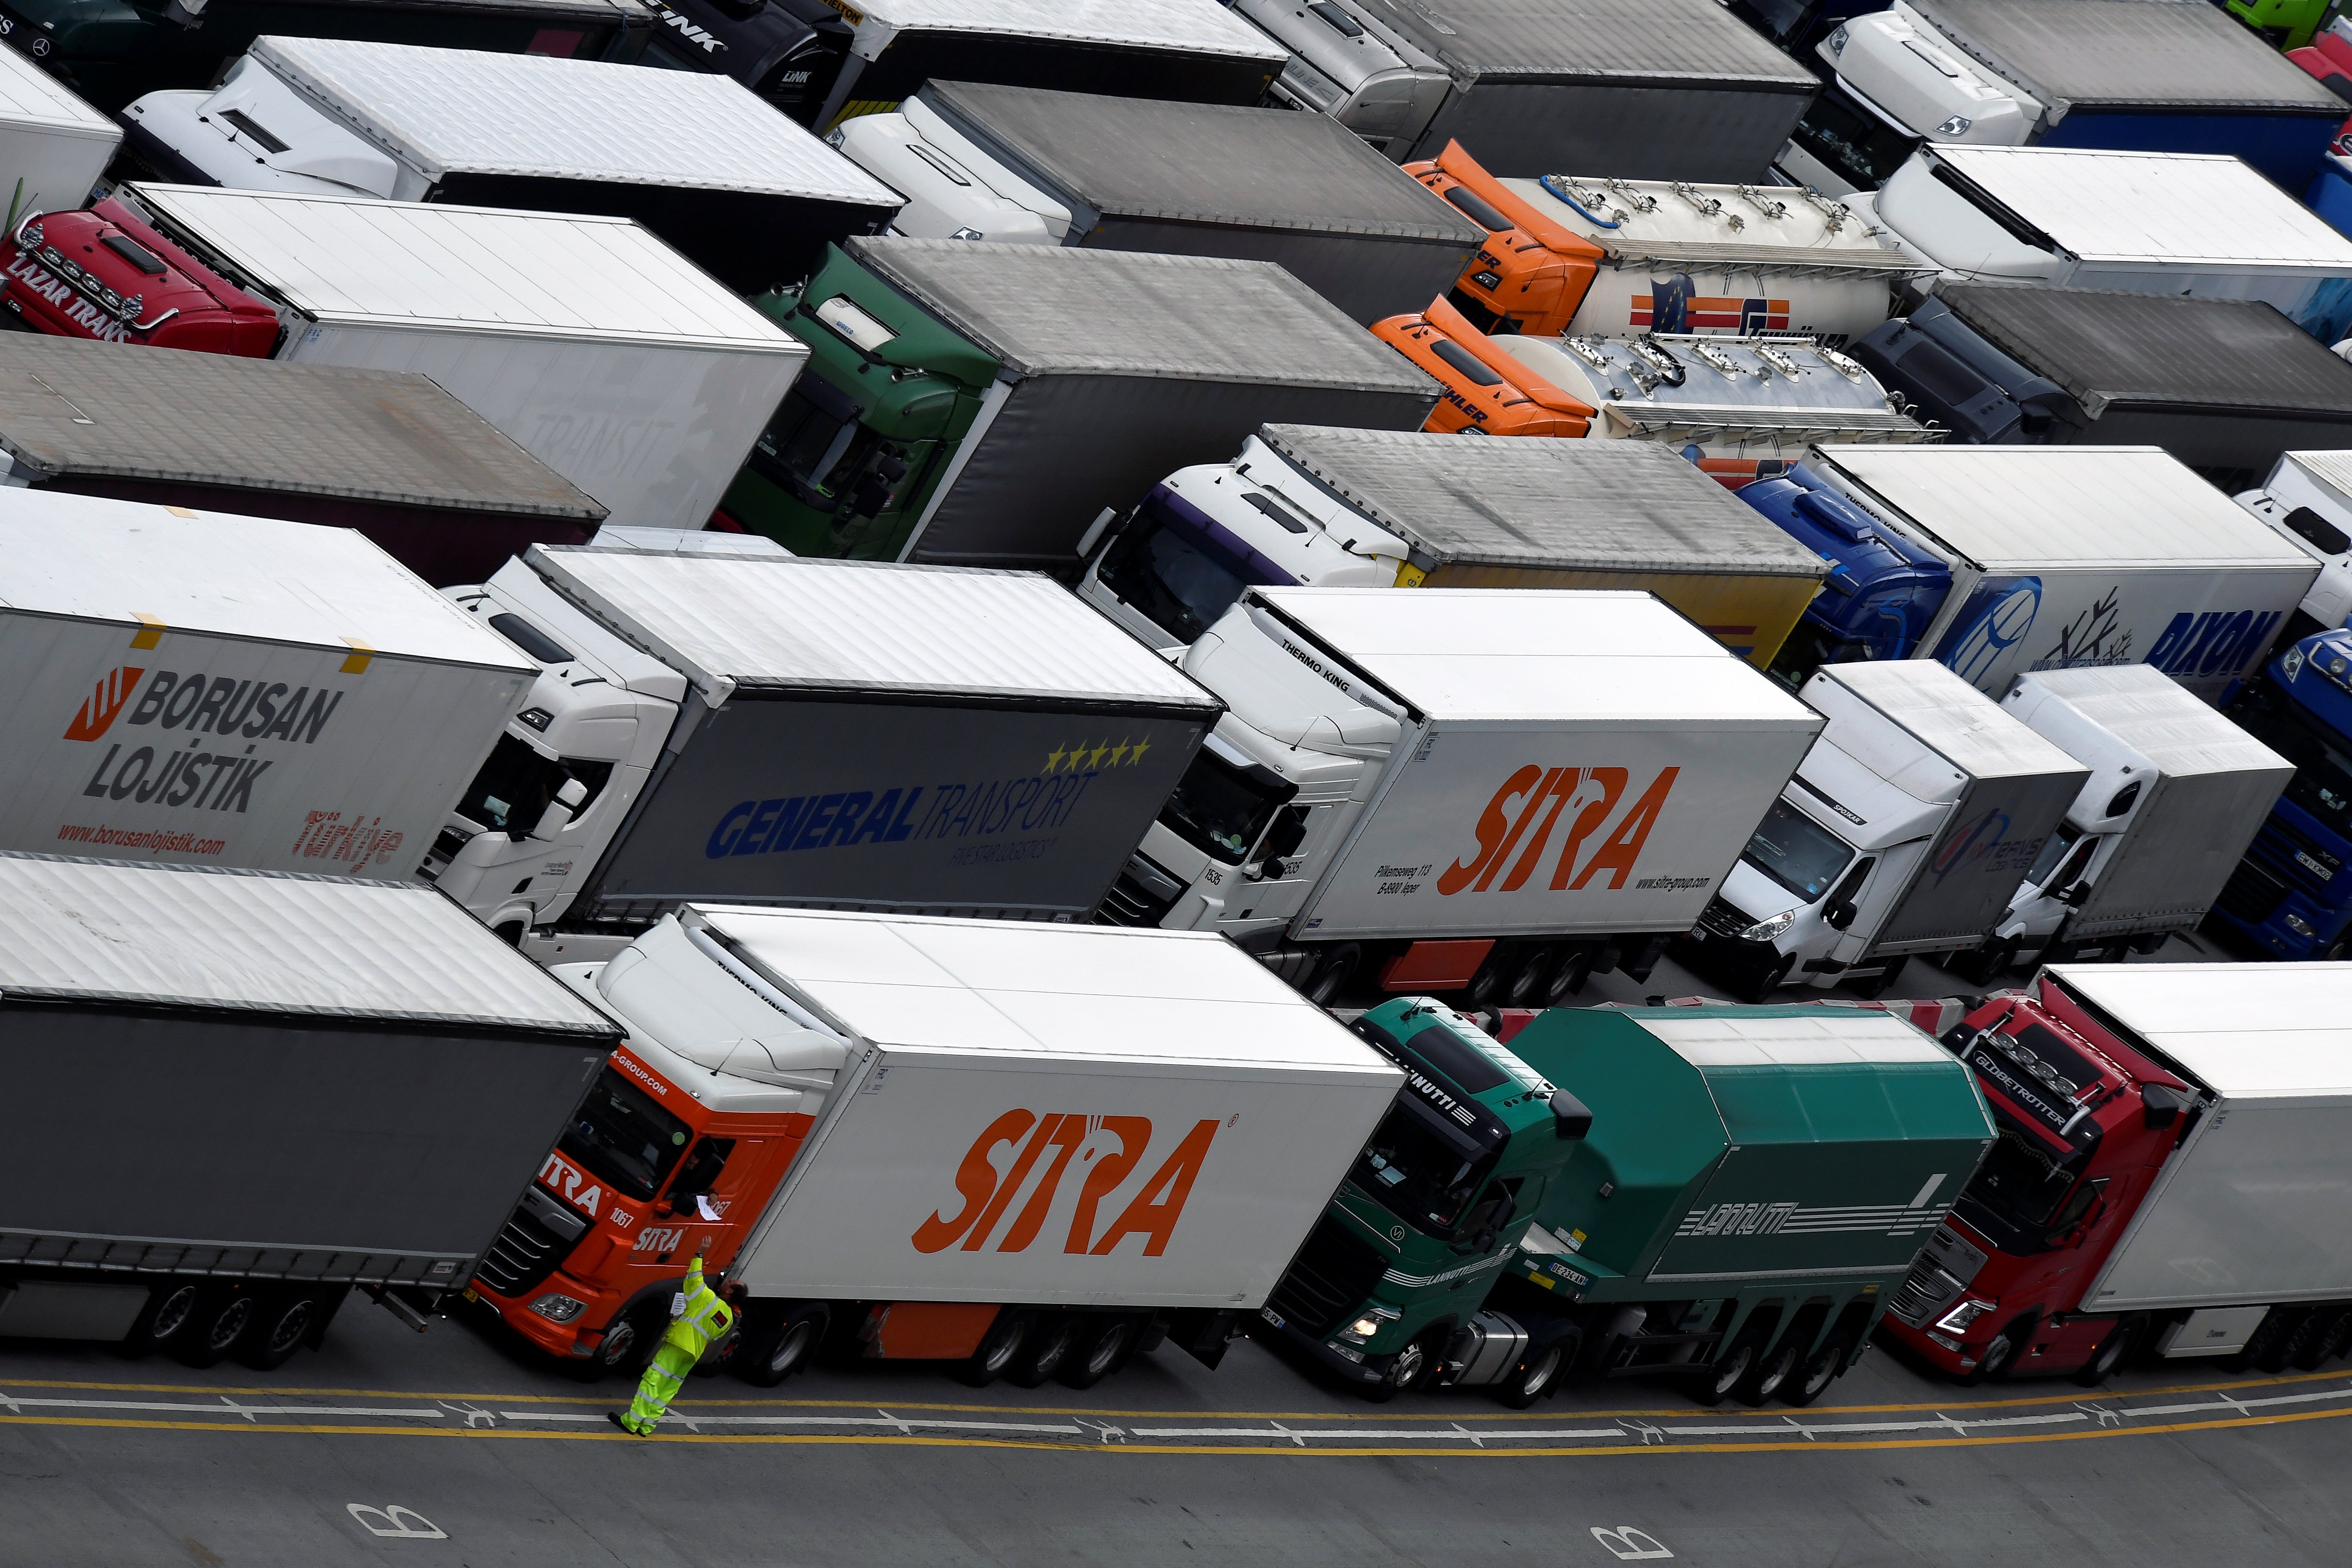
{"points": [[790, 622], [471, 112], [1649, 43], [30, 96], [352, 260], [68, 406], [125, 563], [1043, 310], [1563, 505], [2244, 1030], [2064, 506], [1030, 989], [1961, 724], [1714, 1038], [1508, 655], [267, 942], [2174, 208], [2106, 348], [1203, 163], [2125, 54], [2157, 717], [1179, 27]]}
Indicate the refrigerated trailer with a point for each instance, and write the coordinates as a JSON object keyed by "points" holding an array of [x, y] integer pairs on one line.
{"points": [[311, 1083]]}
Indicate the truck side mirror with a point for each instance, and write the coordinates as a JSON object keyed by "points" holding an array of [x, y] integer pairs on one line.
{"points": [[1840, 914], [2076, 896], [2160, 1106], [558, 815], [1571, 1117]]}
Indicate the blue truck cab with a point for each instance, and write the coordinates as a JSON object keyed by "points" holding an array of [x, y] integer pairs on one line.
{"points": [[1882, 592], [2291, 893]]}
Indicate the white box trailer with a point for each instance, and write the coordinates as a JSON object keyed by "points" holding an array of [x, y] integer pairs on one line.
{"points": [[231, 690], [2255, 1206], [592, 345], [1198, 1112], [53, 146]]}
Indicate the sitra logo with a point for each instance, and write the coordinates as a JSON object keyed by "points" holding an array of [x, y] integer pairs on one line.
{"points": [[986, 1199], [100, 707], [1577, 802]]}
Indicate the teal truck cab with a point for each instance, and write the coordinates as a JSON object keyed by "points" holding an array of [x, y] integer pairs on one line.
{"points": [[1718, 1194]]}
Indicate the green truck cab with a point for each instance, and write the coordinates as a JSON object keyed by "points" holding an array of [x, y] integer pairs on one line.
{"points": [[1719, 1194], [864, 436]]}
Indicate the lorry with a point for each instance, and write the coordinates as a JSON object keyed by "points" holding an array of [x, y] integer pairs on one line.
{"points": [[1903, 833], [2169, 1177], [2225, 385], [1615, 259], [2290, 895], [1993, 561], [844, 1109], [1024, 164], [2176, 795], [1754, 398], [722, 178], [1657, 90], [1496, 792], [1721, 1196], [974, 404], [420, 474], [2200, 225], [409, 1071], [2307, 497], [113, 52], [2015, 73], [694, 710], [53, 147], [1318, 507], [229, 691], [626, 370]]}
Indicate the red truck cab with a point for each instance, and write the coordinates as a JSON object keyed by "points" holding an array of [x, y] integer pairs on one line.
{"points": [[104, 273], [2086, 1123]]}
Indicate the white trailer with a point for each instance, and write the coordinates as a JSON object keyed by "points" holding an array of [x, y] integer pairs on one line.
{"points": [[1497, 791], [53, 146], [1035, 1130], [2201, 224], [225, 691], [742, 192], [2066, 556], [592, 345]]}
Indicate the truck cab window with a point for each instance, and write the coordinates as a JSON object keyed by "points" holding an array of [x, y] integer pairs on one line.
{"points": [[1424, 1177], [1796, 852], [1220, 810], [2078, 1204], [1168, 567], [1852, 142], [2020, 1184], [516, 784], [810, 450], [623, 1139], [1493, 1210], [699, 1175], [2056, 845]]}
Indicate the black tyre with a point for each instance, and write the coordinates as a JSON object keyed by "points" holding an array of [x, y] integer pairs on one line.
{"points": [[1759, 991], [1986, 964], [1713, 1383], [170, 1309], [222, 1318], [2112, 1353], [1568, 977], [1531, 981], [1408, 1369], [1537, 1374], [765, 1357], [997, 1348], [282, 1323], [2265, 1348], [1043, 1357], [2000, 1353], [1486, 984], [2343, 1340], [1886, 980], [1819, 1370], [625, 1348], [2313, 1339], [1771, 1372], [1332, 973], [1100, 1349]]}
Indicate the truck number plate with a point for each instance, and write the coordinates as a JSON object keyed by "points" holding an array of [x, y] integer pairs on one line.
{"points": [[472, 1294], [1271, 1316], [2314, 866]]}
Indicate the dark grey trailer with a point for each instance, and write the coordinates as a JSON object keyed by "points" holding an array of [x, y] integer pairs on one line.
{"points": [[1256, 184], [236, 1095], [2225, 385]]}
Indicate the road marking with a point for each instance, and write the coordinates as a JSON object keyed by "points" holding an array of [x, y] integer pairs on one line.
{"points": [[393, 1528], [1628, 1544]]}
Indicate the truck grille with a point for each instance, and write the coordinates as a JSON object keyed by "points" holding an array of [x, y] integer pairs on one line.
{"points": [[2306, 862], [1333, 1272], [1724, 919], [1142, 897], [525, 1253], [1926, 1292], [2251, 894]]}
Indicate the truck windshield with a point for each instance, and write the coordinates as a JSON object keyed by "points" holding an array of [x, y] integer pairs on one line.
{"points": [[1419, 1174], [1220, 810], [2323, 771], [512, 789], [1851, 141], [2057, 843], [1175, 572], [2019, 1182], [623, 1139], [1796, 852], [813, 452]]}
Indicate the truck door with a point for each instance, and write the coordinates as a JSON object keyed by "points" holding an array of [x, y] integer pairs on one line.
{"points": [[1883, 877]]}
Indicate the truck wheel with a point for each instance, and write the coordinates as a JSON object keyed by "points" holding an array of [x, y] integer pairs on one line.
{"points": [[2343, 1340], [1532, 978], [1821, 1370], [1879, 984], [1713, 1383], [2312, 1339], [169, 1312], [2002, 1353], [2110, 1353], [765, 1358], [221, 1319], [1533, 1377], [1568, 977], [1098, 1351], [1487, 983], [997, 1349], [2278, 1346], [623, 1349], [1331, 975], [1760, 990], [282, 1323], [1407, 1368], [1986, 964], [1770, 1372], [1048, 1349]]}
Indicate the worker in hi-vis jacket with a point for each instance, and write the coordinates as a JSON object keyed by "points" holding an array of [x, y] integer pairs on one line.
{"points": [[699, 1316]]}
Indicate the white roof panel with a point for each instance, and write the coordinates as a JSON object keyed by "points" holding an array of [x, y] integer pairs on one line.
{"points": [[2064, 506], [31, 96], [1825, 1039], [2245, 1030], [1500, 655], [2157, 717], [94, 559], [268, 941], [351, 259], [1185, 26], [1966, 727], [466, 111], [2173, 207], [787, 621], [1087, 993]]}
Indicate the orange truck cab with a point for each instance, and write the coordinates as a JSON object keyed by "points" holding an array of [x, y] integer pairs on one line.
{"points": [[1486, 390]]}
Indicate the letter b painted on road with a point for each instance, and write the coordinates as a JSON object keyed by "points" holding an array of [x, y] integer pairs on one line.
{"points": [[1628, 1544]]}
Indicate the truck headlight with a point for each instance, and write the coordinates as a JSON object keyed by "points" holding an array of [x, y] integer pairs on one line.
{"points": [[1768, 929], [2291, 663], [1958, 1320], [2300, 926], [1958, 125], [557, 1308], [1373, 1321]]}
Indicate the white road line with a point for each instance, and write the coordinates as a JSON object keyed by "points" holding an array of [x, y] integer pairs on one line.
{"points": [[2237, 1405], [224, 1408]]}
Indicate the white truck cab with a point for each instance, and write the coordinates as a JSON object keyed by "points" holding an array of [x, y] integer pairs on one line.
{"points": [[2309, 498], [1897, 81], [254, 133], [954, 188], [1348, 63]]}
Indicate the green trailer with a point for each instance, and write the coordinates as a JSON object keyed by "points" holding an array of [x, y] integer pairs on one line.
{"points": [[1752, 1184]]}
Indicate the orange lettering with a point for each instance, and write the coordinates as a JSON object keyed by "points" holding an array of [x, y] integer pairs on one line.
{"points": [[1069, 1132], [1493, 823], [1587, 821], [977, 1238], [1624, 846], [1161, 1204], [975, 1179], [1134, 1132], [1535, 804], [1562, 792]]}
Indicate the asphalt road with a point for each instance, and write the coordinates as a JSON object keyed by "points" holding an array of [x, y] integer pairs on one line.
{"points": [[457, 1447]]}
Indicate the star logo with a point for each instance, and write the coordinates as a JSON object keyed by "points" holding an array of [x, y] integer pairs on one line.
{"points": [[1140, 747], [1053, 758], [1096, 760], [1118, 752]]}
